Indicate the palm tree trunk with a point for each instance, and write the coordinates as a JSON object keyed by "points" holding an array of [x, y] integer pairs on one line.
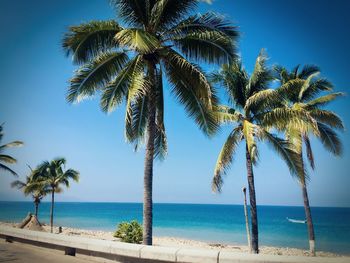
{"points": [[310, 225], [148, 173], [36, 208], [252, 200], [51, 212], [246, 216]]}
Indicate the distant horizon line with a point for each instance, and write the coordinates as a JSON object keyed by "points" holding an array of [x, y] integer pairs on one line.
{"points": [[169, 203]]}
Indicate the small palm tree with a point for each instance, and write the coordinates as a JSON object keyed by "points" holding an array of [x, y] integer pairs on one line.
{"points": [[302, 88], [31, 187], [51, 175], [253, 115], [129, 63], [4, 158]]}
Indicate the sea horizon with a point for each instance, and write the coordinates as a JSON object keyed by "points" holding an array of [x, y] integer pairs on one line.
{"points": [[177, 203], [213, 223]]}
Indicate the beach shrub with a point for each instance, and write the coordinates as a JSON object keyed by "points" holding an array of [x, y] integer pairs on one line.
{"points": [[130, 232]]}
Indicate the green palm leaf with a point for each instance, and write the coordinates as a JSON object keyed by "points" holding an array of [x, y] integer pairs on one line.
{"points": [[95, 75], [192, 90], [137, 40], [330, 139], [86, 41], [225, 158]]}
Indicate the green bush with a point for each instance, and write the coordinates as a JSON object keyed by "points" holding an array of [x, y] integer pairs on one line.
{"points": [[129, 232]]}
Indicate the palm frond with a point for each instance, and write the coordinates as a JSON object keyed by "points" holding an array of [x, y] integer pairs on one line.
{"points": [[261, 75], [166, 13], [133, 12], [11, 144], [136, 120], [86, 41], [226, 115], [18, 184], [307, 71], [263, 100], [327, 117], [138, 40], [306, 84], [192, 89], [207, 46], [160, 143], [225, 158], [114, 92], [95, 75], [7, 159], [324, 100], [320, 84], [208, 22], [7, 169], [285, 150], [280, 118], [330, 139], [309, 154], [249, 131]]}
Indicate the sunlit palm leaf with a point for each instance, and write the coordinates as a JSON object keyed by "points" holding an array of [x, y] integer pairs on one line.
{"points": [[137, 39], [324, 100], [225, 158], [249, 131], [7, 158]]}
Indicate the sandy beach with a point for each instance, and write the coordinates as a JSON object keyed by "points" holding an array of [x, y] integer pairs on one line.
{"points": [[181, 242]]}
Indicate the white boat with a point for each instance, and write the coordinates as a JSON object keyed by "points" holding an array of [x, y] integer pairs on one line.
{"points": [[296, 221]]}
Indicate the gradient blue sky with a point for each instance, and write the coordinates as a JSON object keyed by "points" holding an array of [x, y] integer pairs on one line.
{"points": [[34, 73]]}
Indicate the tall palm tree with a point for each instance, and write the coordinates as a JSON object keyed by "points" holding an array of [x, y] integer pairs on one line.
{"points": [[129, 62], [52, 175], [302, 88], [31, 187], [4, 158], [252, 114]]}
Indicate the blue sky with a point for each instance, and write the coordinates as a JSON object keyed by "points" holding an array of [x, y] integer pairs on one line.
{"points": [[34, 75]]}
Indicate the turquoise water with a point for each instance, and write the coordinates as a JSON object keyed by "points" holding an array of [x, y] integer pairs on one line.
{"points": [[214, 223]]}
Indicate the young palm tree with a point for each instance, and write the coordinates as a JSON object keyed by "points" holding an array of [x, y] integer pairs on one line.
{"points": [[253, 115], [51, 175], [31, 187], [4, 158], [129, 62], [302, 88]]}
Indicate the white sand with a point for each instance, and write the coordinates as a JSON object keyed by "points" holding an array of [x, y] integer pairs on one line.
{"points": [[180, 242]]}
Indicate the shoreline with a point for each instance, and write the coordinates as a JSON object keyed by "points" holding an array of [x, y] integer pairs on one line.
{"points": [[165, 241]]}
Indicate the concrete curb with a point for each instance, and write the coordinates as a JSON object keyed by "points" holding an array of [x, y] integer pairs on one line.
{"points": [[142, 253]]}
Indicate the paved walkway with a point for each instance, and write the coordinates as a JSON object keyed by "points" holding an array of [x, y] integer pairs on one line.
{"points": [[23, 253]]}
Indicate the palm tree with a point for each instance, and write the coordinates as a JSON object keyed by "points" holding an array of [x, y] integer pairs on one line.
{"points": [[130, 62], [52, 175], [302, 88], [31, 187], [253, 115], [4, 158]]}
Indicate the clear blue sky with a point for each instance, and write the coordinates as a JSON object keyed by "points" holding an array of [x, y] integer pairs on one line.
{"points": [[34, 74]]}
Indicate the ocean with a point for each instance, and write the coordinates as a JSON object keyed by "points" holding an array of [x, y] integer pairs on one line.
{"points": [[212, 223]]}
